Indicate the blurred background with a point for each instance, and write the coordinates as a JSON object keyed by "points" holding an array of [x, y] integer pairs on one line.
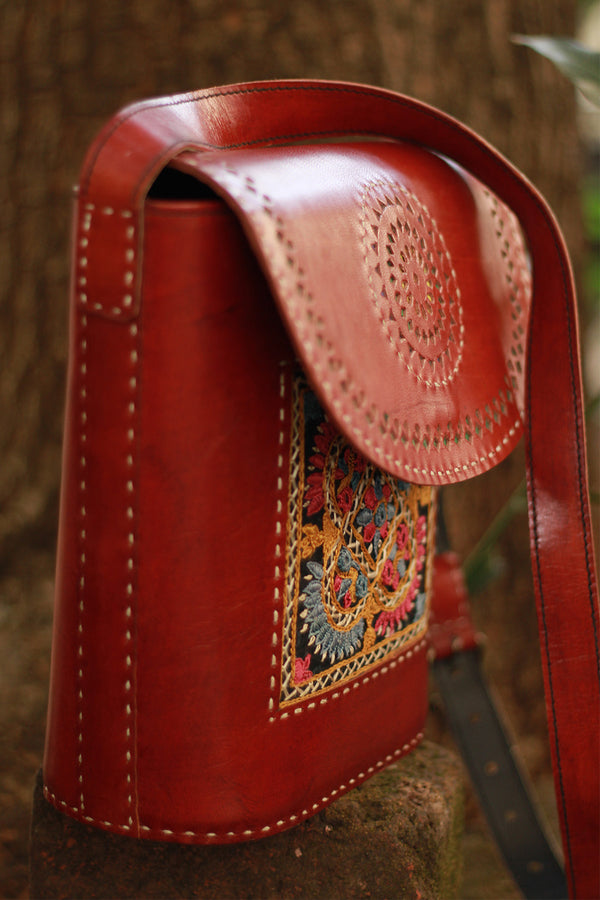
{"points": [[68, 65]]}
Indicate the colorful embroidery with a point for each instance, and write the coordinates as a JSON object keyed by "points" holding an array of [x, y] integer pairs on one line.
{"points": [[357, 561]]}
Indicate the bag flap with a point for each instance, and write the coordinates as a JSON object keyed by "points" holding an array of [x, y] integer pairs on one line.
{"points": [[427, 395], [404, 285]]}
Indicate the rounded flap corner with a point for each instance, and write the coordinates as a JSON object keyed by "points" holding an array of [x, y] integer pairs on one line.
{"points": [[404, 285]]}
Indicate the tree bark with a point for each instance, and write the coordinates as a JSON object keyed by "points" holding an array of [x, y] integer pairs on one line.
{"points": [[67, 65]]}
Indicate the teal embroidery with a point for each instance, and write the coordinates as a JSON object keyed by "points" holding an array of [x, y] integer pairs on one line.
{"points": [[358, 558]]}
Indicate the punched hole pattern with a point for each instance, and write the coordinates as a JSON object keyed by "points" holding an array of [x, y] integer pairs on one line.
{"points": [[518, 281], [413, 282], [371, 425]]}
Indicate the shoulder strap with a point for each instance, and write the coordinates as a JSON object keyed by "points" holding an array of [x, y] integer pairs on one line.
{"points": [[560, 525], [497, 776]]}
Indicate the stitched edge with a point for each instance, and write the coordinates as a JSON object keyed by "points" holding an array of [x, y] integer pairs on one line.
{"points": [[89, 215], [403, 648], [297, 288], [233, 91], [463, 471], [130, 515], [509, 173], [226, 837], [534, 527], [402, 654], [372, 675], [125, 217], [82, 547], [280, 534]]}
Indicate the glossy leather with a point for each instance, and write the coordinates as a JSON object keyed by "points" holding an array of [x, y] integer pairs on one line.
{"points": [[500, 783], [163, 719], [417, 393], [132, 730]]}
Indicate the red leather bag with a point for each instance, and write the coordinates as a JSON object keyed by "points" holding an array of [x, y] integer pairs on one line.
{"points": [[297, 308]]}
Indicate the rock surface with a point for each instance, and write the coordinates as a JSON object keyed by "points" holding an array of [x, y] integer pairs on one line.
{"points": [[397, 836]]}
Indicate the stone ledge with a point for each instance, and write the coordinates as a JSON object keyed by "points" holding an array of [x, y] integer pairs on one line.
{"points": [[397, 836]]}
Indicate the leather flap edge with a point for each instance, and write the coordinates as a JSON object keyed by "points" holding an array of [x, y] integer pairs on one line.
{"points": [[404, 286]]}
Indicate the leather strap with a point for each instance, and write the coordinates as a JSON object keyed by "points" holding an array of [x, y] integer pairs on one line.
{"points": [[560, 523], [498, 778], [476, 723]]}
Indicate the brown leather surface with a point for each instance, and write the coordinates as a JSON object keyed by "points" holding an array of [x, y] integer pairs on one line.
{"points": [[133, 663], [422, 370], [169, 604]]}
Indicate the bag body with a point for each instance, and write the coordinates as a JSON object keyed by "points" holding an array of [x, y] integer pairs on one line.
{"points": [[196, 465], [280, 345]]}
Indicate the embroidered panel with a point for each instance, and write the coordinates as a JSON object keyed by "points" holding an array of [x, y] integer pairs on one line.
{"points": [[358, 548]]}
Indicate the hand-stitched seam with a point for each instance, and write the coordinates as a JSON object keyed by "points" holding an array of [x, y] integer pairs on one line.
{"points": [[517, 278], [282, 508], [330, 639], [544, 632], [478, 151], [130, 516], [534, 502], [397, 101], [537, 571], [248, 833], [82, 550], [581, 475], [280, 538], [307, 705], [466, 468], [197, 96], [126, 291]]}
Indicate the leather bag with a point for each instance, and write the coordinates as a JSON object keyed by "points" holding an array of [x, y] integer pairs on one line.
{"points": [[298, 308]]}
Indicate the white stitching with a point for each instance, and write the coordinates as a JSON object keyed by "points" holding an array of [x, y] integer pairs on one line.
{"points": [[300, 296], [404, 648], [357, 682], [82, 551], [266, 829], [131, 523], [279, 531], [129, 257]]}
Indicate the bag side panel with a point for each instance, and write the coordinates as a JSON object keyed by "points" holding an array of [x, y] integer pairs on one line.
{"points": [[90, 752], [173, 717]]}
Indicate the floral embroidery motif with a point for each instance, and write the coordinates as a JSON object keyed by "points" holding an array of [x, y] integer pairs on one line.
{"points": [[357, 558]]}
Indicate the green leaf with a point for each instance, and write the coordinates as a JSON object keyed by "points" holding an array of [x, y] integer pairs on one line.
{"points": [[574, 60], [484, 564], [591, 207], [485, 568], [592, 406]]}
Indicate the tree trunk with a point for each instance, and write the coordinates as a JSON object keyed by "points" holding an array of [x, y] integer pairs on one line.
{"points": [[67, 65]]}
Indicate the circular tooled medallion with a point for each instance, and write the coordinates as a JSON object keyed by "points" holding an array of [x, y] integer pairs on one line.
{"points": [[414, 283]]}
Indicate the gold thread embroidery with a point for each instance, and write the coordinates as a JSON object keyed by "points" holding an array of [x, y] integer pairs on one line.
{"points": [[357, 559]]}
